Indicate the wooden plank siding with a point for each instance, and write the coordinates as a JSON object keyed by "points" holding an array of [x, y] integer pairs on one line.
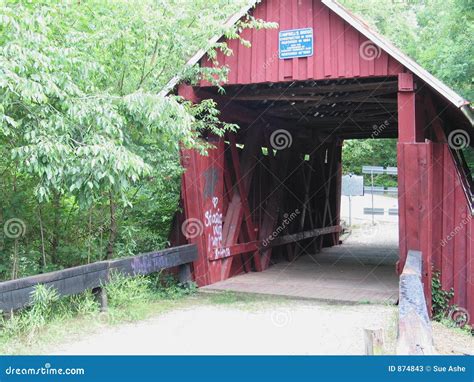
{"points": [[435, 218], [337, 48]]}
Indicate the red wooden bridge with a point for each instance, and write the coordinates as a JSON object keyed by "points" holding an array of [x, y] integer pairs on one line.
{"points": [[277, 181]]}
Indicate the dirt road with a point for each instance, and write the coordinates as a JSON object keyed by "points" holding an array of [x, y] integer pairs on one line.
{"points": [[212, 326]]}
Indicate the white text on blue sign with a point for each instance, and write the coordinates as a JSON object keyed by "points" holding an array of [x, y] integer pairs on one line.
{"points": [[295, 43]]}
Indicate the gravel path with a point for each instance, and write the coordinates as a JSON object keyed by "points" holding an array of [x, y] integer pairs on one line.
{"points": [[261, 327]]}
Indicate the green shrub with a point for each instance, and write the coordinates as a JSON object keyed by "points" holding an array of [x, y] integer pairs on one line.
{"points": [[440, 298], [165, 285], [123, 290], [83, 305]]}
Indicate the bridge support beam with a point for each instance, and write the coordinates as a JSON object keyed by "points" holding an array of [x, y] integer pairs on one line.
{"points": [[415, 181]]}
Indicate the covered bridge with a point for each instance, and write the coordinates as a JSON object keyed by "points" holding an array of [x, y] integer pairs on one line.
{"points": [[322, 77]]}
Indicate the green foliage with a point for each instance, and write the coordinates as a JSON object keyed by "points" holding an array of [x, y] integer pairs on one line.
{"points": [[123, 290], [440, 298], [46, 307], [165, 286], [89, 142], [370, 152], [442, 309]]}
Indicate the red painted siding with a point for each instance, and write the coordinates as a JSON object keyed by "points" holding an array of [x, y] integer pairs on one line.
{"points": [[202, 189], [337, 48], [435, 217]]}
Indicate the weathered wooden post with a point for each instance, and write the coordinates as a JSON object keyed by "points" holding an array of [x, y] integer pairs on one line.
{"points": [[414, 325], [374, 341]]}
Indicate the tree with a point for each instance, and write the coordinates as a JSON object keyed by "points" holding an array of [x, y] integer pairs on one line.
{"points": [[84, 130]]}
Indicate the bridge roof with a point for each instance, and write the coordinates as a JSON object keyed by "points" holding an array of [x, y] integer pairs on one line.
{"points": [[382, 42]]}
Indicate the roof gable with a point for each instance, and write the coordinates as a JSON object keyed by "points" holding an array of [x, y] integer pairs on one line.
{"points": [[335, 56]]}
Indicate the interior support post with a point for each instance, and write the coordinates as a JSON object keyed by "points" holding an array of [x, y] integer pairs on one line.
{"points": [[413, 180]]}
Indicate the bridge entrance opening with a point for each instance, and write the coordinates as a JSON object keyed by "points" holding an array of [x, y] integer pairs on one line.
{"points": [[280, 202]]}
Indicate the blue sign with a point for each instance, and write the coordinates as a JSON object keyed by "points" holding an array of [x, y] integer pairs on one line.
{"points": [[295, 43]]}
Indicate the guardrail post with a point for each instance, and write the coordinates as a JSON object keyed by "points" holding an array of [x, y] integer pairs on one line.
{"points": [[184, 274], [374, 341], [8, 315], [101, 296]]}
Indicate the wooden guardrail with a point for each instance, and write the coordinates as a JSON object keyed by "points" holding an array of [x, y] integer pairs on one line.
{"points": [[16, 294], [414, 325]]}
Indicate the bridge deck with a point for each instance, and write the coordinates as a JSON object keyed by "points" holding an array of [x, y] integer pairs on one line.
{"points": [[352, 272]]}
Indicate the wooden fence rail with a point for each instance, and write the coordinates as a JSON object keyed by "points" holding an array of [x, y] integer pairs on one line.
{"points": [[414, 325], [16, 294]]}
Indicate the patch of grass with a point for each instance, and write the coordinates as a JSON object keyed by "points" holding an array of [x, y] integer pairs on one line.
{"points": [[449, 323], [123, 291], [229, 297], [243, 301]]}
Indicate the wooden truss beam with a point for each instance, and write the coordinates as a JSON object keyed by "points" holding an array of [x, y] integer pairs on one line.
{"points": [[361, 98], [304, 235], [318, 89], [252, 246], [238, 210]]}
